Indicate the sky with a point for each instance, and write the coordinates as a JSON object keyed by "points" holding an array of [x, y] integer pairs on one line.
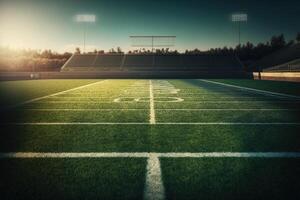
{"points": [[42, 24]]}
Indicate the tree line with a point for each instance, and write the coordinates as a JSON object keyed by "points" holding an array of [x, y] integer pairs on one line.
{"points": [[28, 60]]}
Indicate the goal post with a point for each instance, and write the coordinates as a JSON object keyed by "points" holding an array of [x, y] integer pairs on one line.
{"points": [[147, 41]]}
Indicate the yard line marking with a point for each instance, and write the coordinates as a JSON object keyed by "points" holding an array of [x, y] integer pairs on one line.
{"points": [[229, 123], [152, 111], [229, 109], [177, 100], [253, 90], [82, 109], [72, 102], [77, 98], [157, 109], [154, 189], [51, 95], [152, 155], [241, 101], [231, 155], [146, 123], [73, 155], [74, 123], [199, 98]]}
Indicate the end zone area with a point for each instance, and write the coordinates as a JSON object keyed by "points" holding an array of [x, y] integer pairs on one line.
{"points": [[151, 139]]}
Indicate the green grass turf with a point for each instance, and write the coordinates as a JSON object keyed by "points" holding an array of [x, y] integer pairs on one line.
{"points": [[161, 116], [231, 178], [85, 105], [229, 105], [227, 116], [78, 116], [284, 87], [186, 178], [147, 138], [105, 178], [12, 92]]}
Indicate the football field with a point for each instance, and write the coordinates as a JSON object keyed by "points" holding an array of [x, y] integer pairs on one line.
{"points": [[150, 139]]}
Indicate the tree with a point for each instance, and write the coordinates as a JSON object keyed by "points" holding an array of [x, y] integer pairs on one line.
{"points": [[298, 37], [112, 51], [77, 50], [119, 50], [277, 42], [290, 43]]}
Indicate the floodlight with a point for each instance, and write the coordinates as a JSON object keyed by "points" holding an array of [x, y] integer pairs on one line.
{"points": [[85, 18], [241, 17]]}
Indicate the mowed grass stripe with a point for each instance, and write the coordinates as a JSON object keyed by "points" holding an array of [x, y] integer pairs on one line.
{"points": [[252, 89], [229, 116], [228, 105], [216, 87], [37, 116], [51, 95], [231, 178], [80, 178], [91, 105], [149, 138]]}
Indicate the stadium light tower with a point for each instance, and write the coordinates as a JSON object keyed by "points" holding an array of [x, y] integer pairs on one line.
{"points": [[85, 19], [239, 18]]}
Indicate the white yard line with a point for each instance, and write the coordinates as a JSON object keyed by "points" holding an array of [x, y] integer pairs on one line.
{"points": [[145, 123], [230, 123], [152, 155], [154, 189], [177, 100], [74, 123], [75, 98], [276, 94], [241, 101], [167, 109], [152, 111], [51, 95], [229, 109], [83, 109], [72, 102]]}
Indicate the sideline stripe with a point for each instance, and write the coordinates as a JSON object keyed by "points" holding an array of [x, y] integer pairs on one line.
{"points": [[151, 155], [154, 189], [252, 89], [51, 95], [152, 111], [145, 123]]}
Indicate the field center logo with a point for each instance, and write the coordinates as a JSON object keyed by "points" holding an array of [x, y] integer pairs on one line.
{"points": [[159, 87], [147, 99]]}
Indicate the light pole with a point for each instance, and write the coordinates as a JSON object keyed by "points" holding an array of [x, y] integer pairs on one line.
{"points": [[85, 19], [239, 18]]}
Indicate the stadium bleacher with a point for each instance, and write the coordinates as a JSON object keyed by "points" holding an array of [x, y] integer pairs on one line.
{"points": [[292, 66], [228, 65], [81, 61], [279, 59]]}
